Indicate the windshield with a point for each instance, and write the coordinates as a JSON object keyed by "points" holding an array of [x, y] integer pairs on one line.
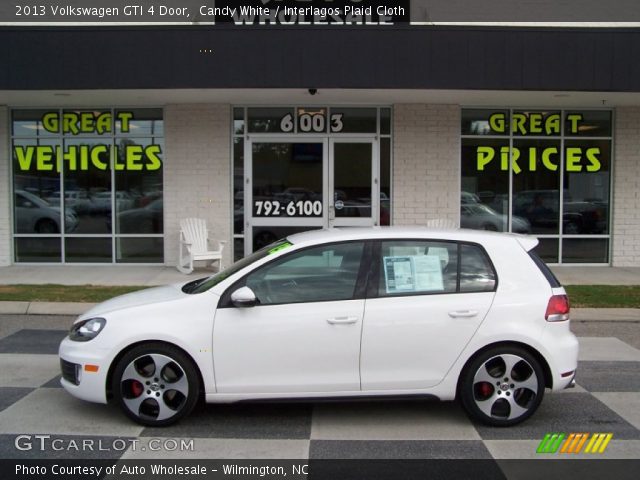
{"points": [[204, 284]]}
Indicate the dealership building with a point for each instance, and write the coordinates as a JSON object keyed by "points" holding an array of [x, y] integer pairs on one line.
{"points": [[109, 137]]}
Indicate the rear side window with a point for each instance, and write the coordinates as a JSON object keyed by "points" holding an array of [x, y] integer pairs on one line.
{"points": [[422, 267], [418, 267], [476, 271], [546, 271]]}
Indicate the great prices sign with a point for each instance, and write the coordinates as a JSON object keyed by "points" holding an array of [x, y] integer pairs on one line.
{"points": [[577, 158], [127, 156]]}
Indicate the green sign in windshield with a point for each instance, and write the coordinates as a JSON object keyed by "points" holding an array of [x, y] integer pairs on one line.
{"points": [[277, 248]]}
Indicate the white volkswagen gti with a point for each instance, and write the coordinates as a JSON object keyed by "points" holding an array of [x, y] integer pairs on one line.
{"points": [[343, 313]]}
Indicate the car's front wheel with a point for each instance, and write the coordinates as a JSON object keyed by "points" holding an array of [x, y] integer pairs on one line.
{"points": [[155, 384], [502, 386]]}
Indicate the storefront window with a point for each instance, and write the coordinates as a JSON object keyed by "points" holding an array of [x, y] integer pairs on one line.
{"points": [[271, 120], [87, 188], [536, 186], [238, 182], [543, 172], [385, 181], [353, 120], [88, 185], [586, 187], [485, 184]]}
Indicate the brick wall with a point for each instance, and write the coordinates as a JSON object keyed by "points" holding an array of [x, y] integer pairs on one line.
{"points": [[426, 156], [197, 175], [626, 187], [5, 199]]}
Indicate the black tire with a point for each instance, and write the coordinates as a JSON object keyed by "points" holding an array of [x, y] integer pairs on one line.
{"points": [[511, 382], [46, 225], [145, 395]]}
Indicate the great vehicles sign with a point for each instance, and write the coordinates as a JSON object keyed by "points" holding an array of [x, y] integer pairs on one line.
{"points": [[90, 155]]}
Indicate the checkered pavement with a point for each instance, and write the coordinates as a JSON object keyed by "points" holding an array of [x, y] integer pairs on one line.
{"points": [[607, 399]]}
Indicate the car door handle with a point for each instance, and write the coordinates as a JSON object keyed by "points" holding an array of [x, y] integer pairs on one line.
{"points": [[463, 313], [342, 320]]}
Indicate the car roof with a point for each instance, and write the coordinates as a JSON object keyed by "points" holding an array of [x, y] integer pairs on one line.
{"points": [[398, 232]]}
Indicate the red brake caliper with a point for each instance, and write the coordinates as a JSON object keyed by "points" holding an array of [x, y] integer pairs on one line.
{"points": [[485, 389], [136, 388]]}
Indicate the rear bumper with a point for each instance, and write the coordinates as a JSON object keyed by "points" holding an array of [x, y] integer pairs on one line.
{"points": [[572, 383], [561, 347]]}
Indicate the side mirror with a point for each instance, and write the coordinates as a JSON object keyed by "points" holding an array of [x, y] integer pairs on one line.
{"points": [[244, 297]]}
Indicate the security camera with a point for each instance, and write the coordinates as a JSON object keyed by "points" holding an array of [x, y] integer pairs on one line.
{"points": [[313, 91]]}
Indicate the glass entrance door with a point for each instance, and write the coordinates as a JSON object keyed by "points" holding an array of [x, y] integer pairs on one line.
{"points": [[285, 189], [353, 183], [295, 184]]}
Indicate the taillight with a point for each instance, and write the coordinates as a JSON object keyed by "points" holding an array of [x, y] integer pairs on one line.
{"points": [[557, 309]]}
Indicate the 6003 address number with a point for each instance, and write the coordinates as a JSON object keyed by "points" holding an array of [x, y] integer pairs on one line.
{"points": [[300, 208]]}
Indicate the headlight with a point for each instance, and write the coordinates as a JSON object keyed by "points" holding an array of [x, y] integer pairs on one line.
{"points": [[87, 329]]}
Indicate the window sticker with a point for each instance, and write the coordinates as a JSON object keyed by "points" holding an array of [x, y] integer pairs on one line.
{"points": [[414, 273]]}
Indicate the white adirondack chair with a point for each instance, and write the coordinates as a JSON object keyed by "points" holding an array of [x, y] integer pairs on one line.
{"points": [[194, 245]]}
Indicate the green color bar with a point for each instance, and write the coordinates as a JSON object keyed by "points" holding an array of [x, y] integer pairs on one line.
{"points": [[541, 447], [550, 443], [556, 445]]}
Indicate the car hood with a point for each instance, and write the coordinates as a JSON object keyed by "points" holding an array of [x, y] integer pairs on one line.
{"points": [[165, 293]]}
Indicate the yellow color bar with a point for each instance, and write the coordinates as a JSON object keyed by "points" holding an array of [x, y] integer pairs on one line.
{"points": [[606, 442], [591, 442], [596, 445]]}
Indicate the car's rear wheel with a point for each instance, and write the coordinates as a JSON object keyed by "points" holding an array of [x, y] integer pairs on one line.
{"points": [[155, 384], [502, 386]]}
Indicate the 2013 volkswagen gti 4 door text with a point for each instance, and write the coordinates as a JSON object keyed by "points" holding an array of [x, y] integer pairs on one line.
{"points": [[370, 312]]}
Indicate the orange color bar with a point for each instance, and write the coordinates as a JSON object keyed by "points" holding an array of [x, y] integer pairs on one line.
{"points": [[584, 439], [91, 368], [567, 442]]}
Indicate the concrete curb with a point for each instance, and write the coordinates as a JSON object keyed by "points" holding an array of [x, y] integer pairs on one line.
{"points": [[77, 308], [605, 314], [44, 308]]}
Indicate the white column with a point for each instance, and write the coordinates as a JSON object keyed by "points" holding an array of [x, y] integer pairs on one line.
{"points": [[426, 163], [197, 172]]}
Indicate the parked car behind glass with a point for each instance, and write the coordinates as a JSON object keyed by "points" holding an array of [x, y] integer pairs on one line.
{"points": [[35, 215], [482, 217]]}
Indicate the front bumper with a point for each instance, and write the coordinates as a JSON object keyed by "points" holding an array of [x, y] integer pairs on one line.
{"points": [[78, 379]]}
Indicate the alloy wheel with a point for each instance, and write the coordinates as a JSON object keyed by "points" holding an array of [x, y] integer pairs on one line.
{"points": [[505, 387], [156, 384]]}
